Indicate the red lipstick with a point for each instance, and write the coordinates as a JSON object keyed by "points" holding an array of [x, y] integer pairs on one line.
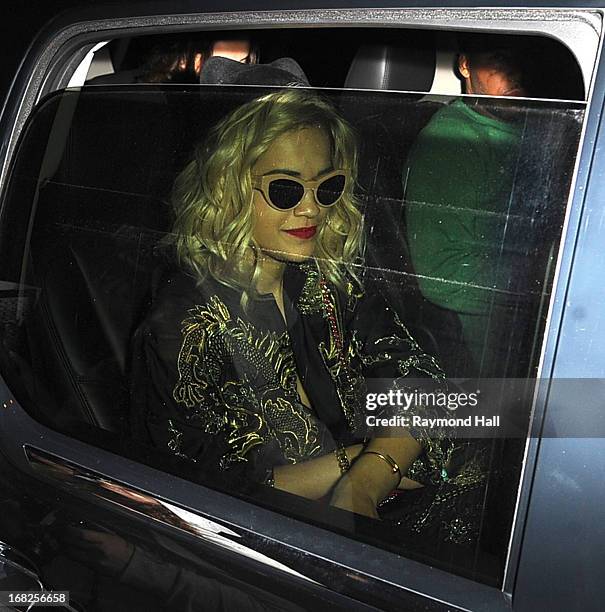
{"points": [[303, 232]]}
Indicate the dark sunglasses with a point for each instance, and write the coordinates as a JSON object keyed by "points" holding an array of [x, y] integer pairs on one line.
{"points": [[284, 192]]}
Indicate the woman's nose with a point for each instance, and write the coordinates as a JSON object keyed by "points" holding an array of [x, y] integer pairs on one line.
{"points": [[308, 206]]}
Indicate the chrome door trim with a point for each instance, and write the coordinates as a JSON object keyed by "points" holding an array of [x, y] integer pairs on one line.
{"points": [[94, 486]]}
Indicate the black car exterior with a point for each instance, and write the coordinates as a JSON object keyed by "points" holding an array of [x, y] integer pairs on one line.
{"points": [[219, 552]]}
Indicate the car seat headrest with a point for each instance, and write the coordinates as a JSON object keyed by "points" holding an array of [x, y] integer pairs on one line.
{"points": [[392, 66]]}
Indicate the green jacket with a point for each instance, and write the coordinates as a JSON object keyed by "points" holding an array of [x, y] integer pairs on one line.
{"points": [[458, 184]]}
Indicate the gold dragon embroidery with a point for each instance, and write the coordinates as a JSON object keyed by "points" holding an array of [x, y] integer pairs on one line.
{"points": [[211, 341]]}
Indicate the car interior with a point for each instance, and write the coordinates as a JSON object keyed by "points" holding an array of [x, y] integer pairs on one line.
{"points": [[98, 165]]}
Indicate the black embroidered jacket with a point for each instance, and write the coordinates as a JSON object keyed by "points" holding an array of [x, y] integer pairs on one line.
{"points": [[218, 385]]}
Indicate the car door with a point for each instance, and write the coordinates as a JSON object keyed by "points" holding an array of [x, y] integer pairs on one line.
{"points": [[86, 180]]}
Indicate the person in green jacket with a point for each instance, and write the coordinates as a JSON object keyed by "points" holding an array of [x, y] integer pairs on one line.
{"points": [[458, 184]]}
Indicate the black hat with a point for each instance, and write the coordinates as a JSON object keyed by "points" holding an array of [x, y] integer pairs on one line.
{"points": [[282, 72]]}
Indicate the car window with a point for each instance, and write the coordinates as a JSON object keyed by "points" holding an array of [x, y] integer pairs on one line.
{"points": [[463, 202], [377, 58]]}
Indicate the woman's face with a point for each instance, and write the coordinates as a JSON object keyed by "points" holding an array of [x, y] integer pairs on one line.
{"points": [[291, 235]]}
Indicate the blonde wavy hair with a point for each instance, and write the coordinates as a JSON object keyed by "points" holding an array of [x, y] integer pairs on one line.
{"points": [[212, 196]]}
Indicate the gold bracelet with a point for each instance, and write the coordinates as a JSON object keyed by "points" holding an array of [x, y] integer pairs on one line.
{"points": [[343, 461], [389, 460]]}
